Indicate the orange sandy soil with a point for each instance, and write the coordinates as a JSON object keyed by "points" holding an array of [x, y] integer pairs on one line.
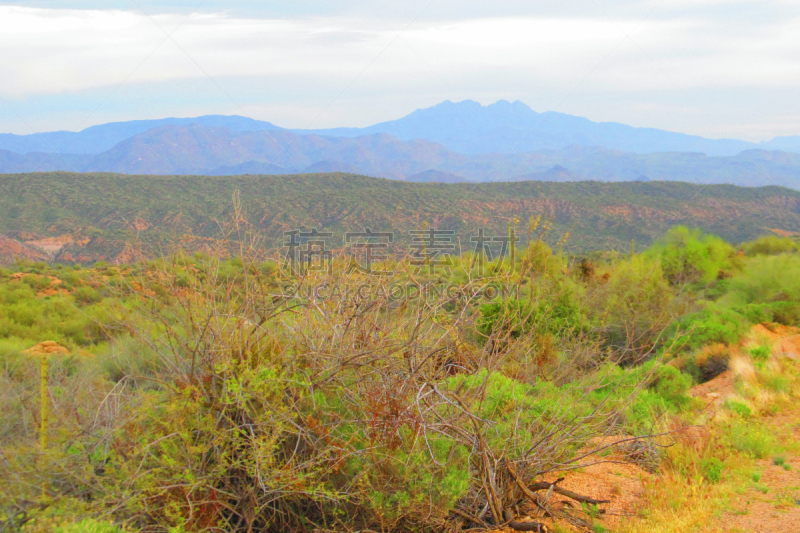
{"points": [[612, 478]]}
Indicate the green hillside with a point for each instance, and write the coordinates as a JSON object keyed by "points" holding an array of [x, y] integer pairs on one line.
{"points": [[103, 212]]}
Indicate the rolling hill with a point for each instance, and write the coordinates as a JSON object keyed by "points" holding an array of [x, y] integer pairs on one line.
{"points": [[88, 217]]}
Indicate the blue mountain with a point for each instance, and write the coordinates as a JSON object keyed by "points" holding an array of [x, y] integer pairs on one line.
{"points": [[466, 127], [97, 139], [513, 127]]}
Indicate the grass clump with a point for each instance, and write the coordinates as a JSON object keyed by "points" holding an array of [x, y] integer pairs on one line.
{"points": [[752, 440], [739, 408], [711, 469]]}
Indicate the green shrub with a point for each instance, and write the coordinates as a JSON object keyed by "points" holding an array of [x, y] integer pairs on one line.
{"points": [[689, 256], [516, 318], [126, 357], [760, 353], [714, 324], [786, 313], [711, 468], [767, 279], [755, 313], [635, 305], [672, 385], [769, 245], [86, 295], [739, 408], [755, 441]]}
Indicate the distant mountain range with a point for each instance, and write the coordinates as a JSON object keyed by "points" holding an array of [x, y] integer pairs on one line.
{"points": [[449, 142], [505, 127]]}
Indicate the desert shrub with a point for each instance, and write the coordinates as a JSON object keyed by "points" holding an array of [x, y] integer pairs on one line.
{"points": [[672, 385], [711, 467], [753, 440], [585, 270], [739, 408], [786, 313], [643, 405], [539, 260], [126, 358], [86, 295], [689, 256], [709, 362], [37, 283], [633, 307], [712, 325], [512, 318], [767, 279], [769, 245], [760, 353], [755, 313], [70, 279]]}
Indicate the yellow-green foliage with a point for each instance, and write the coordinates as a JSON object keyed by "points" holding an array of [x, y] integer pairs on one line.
{"points": [[635, 304], [767, 279], [690, 256], [769, 245]]}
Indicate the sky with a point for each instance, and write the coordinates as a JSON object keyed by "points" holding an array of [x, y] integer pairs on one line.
{"points": [[717, 68]]}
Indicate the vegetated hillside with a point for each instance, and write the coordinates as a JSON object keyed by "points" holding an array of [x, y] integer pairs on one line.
{"points": [[195, 393], [203, 150], [108, 216]]}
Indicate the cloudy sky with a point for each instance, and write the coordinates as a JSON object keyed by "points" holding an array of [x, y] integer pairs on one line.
{"points": [[718, 68]]}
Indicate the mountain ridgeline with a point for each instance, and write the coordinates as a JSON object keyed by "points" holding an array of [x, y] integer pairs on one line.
{"points": [[450, 142], [88, 217]]}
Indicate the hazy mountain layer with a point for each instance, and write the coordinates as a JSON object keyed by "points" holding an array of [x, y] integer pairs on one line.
{"points": [[196, 149], [466, 127]]}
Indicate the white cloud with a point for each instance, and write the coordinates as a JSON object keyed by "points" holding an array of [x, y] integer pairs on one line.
{"points": [[308, 60], [51, 51]]}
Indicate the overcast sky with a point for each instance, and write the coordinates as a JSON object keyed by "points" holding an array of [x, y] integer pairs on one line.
{"points": [[718, 68]]}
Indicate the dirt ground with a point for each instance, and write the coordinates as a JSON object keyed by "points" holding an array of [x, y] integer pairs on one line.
{"points": [[771, 505]]}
